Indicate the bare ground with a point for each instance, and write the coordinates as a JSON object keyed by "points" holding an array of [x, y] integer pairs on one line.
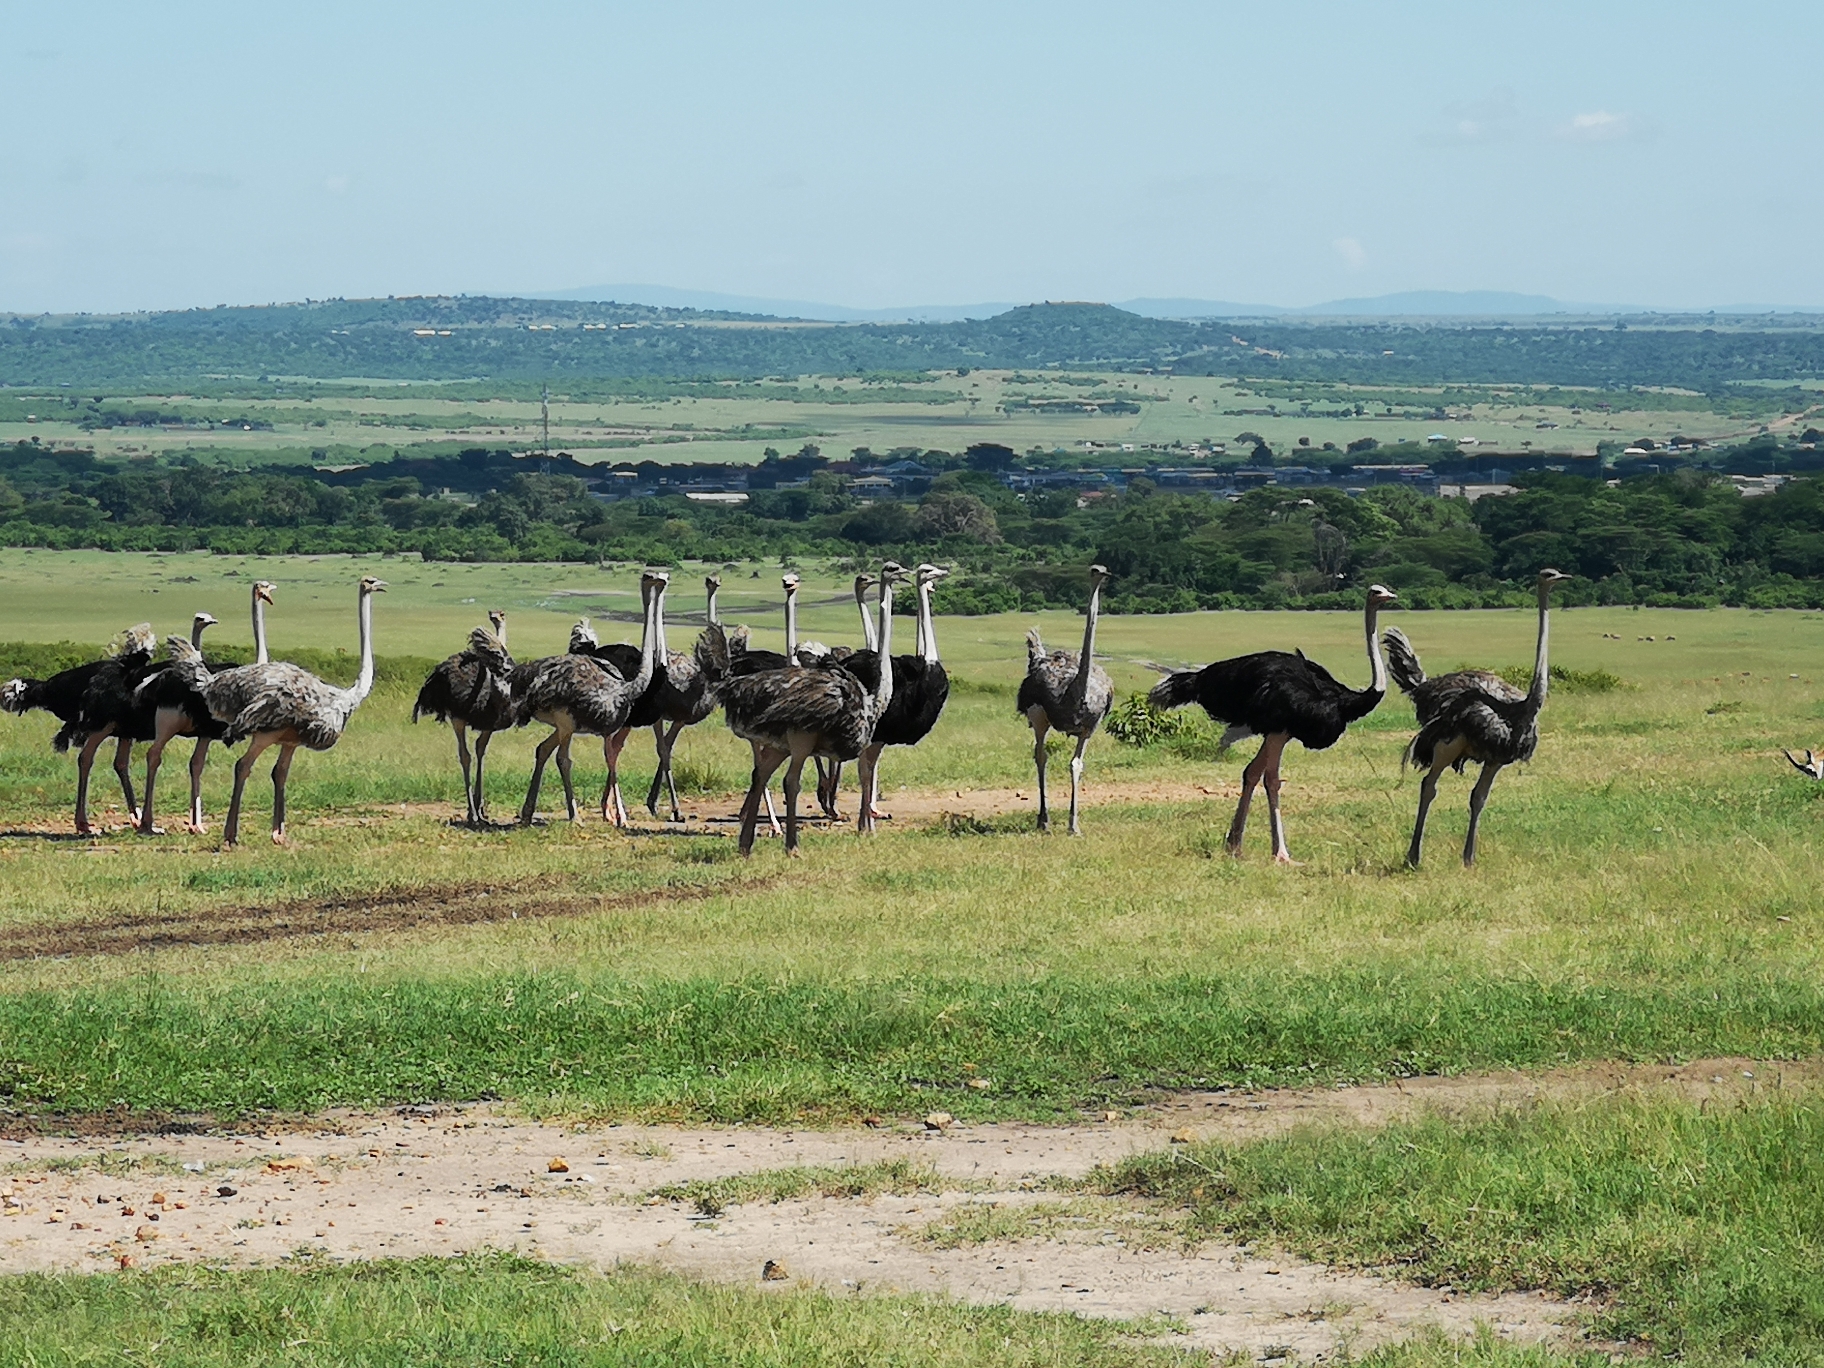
{"points": [[444, 1180]]}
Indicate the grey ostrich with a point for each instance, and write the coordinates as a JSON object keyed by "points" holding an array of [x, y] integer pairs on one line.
{"points": [[1066, 691], [1470, 715], [71, 696], [582, 693], [829, 776], [179, 710], [279, 704], [472, 690], [920, 689], [789, 715], [686, 700]]}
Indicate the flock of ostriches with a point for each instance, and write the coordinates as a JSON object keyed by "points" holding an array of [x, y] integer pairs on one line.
{"points": [[813, 702]]}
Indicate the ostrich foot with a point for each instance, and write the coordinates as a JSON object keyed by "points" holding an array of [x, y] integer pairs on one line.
{"points": [[279, 838], [197, 828], [145, 830], [1285, 858], [876, 815]]}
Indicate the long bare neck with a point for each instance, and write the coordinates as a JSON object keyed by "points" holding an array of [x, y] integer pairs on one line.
{"points": [[867, 621], [1535, 696], [1087, 659], [259, 630], [649, 637], [927, 627], [196, 634], [1377, 664], [711, 617], [500, 633], [791, 625], [883, 691], [364, 682]]}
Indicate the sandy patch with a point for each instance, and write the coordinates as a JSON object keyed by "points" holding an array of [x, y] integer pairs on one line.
{"points": [[445, 1180]]}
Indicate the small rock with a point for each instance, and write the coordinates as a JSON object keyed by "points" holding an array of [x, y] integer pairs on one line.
{"points": [[557, 1166], [124, 1260], [1111, 1116], [224, 1191], [939, 1120], [874, 1122], [158, 1199], [773, 1271], [145, 1233], [980, 1084], [1187, 1136]]}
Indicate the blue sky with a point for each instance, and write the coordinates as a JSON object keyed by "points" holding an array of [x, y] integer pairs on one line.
{"points": [[1661, 154]]}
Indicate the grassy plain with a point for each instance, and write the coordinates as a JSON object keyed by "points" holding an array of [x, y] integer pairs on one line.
{"points": [[951, 413], [1647, 890]]}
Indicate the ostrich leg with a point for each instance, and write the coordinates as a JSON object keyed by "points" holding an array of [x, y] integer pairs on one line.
{"points": [[1428, 790], [867, 778], [1040, 726], [563, 772], [123, 759], [766, 761], [155, 755], [539, 757], [794, 779], [1076, 780], [1270, 782], [480, 799], [663, 740], [281, 771], [613, 810], [199, 758], [231, 827], [1478, 798], [85, 761], [1249, 778], [462, 754]]}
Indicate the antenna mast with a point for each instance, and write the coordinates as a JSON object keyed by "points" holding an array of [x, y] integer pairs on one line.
{"points": [[544, 410]]}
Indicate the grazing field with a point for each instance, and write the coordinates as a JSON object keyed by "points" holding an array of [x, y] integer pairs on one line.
{"points": [[1647, 890]]}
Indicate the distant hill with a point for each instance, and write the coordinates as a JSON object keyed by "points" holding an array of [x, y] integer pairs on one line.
{"points": [[665, 297]]}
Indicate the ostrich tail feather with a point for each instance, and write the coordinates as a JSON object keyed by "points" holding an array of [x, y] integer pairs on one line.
{"points": [[1402, 661]]}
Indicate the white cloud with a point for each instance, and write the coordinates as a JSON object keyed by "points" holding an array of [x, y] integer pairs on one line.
{"points": [[1351, 251], [1599, 126]]}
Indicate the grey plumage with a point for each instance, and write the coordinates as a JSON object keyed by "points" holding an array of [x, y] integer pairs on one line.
{"points": [[472, 690], [279, 704], [1470, 715], [792, 714], [584, 693], [1066, 691]]}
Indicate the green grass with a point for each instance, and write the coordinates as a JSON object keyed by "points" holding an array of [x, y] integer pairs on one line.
{"points": [[711, 1196], [498, 1309], [1694, 1231]]}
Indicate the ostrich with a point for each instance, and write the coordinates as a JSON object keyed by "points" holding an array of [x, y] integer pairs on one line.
{"points": [[1812, 764], [179, 710], [829, 776], [1470, 715], [792, 714], [688, 699], [166, 707], [920, 688], [1279, 697], [472, 689], [70, 696], [1069, 692], [281, 705], [648, 711], [582, 693]]}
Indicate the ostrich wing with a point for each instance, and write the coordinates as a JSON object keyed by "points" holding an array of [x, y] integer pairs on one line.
{"points": [[830, 706], [279, 697], [1446, 693]]}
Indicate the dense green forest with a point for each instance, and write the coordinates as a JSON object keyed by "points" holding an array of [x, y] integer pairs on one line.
{"points": [[1683, 537], [457, 339]]}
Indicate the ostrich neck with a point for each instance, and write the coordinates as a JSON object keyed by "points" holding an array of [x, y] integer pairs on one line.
{"points": [[1535, 696], [259, 630], [196, 634], [883, 691], [649, 638], [1087, 660], [364, 682], [1376, 662], [500, 633], [791, 625], [711, 616], [867, 622], [927, 627], [661, 652]]}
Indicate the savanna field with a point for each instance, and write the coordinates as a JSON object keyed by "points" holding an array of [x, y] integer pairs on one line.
{"points": [[1647, 891]]}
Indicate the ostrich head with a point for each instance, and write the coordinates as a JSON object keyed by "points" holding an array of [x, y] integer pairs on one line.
{"points": [[892, 572], [1547, 578], [262, 590], [1099, 575], [370, 585], [498, 618], [712, 582], [1379, 596], [789, 581], [863, 582], [203, 620], [929, 573]]}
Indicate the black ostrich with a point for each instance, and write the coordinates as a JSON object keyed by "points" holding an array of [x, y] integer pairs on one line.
{"points": [[167, 707], [71, 697], [472, 690], [648, 709], [1470, 715], [1279, 696], [921, 687], [685, 700]]}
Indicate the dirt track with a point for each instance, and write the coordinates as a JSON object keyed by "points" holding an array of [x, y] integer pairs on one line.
{"points": [[443, 1180]]}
